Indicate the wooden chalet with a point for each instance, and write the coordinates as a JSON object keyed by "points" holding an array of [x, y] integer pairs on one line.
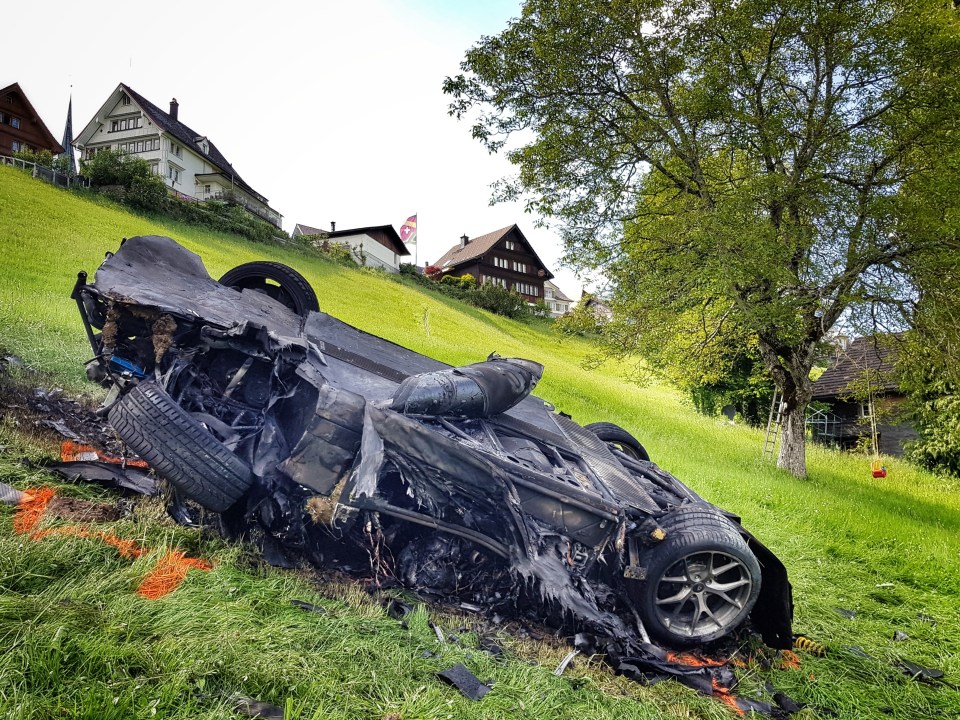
{"points": [[21, 128], [859, 384], [503, 257]]}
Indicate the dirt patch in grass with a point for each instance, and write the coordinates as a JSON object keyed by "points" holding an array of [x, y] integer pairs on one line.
{"points": [[34, 405], [80, 510]]}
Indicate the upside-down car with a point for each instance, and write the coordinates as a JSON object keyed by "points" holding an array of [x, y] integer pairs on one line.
{"points": [[318, 437]]}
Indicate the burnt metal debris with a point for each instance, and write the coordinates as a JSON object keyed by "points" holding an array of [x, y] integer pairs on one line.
{"points": [[327, 444]]}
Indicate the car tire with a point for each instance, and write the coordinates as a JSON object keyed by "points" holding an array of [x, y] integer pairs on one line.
{"points": [[179, 448], [619, 438], [701, 582], [279, 281]]}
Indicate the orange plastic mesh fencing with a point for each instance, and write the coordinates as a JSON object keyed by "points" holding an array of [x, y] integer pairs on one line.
{"points": [[170, 571], [694, 661], [726, 697], [168, 574], [71, 451], [126, 548], [31, 509], [789, 660]]}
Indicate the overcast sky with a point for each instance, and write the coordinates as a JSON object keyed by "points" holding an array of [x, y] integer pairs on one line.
{"points": [[332, 110]]}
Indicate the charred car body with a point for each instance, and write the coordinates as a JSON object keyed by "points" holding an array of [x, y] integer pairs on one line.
{"points": [[321, 437]]}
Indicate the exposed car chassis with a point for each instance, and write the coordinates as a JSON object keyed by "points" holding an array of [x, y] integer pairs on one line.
{"points": [[321, 439]]}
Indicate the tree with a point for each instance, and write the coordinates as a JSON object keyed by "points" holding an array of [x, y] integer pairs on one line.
{"points": [[744, 171]]}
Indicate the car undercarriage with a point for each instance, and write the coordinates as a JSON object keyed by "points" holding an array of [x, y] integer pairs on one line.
{"points": [[328, 444]]}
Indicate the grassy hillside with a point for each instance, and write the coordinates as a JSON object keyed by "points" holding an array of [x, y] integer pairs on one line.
{"points": [[884, 548]]}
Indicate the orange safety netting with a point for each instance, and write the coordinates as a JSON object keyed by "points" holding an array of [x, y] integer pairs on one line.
{"points": [[75, 452], [31, 509], [170, 571], [726, 697], [693, 660], [789, 660]]}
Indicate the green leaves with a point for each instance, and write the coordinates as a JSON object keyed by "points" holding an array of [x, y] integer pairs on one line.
{"points": [[765, 156]]}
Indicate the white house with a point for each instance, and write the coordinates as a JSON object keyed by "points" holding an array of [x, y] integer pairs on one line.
{"points": [[377, 246], [557, 303], [190, 163]]}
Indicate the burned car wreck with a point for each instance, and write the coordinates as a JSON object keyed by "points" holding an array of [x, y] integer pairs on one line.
{"points": [[322, 440]]}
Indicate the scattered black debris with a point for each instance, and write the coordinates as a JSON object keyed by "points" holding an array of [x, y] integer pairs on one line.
{"points": [[848, 614], [309, 607], [251, 708], [900, 636], [61, 427], [397, 609], [920, 673], [111, 475], [786, 703], [489, 645], [465, 681], [859, 652], [426, 655], [926, 618], [274, 553]]}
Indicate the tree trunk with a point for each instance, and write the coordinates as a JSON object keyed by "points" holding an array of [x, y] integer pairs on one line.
{"points": [[793, 437], [792, 377]]}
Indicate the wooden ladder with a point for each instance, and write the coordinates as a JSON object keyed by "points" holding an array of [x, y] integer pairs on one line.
{"points": [[774, 422]]}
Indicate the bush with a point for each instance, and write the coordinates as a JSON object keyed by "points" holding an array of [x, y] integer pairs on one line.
{"points": [[501, 301], [464, 282], [340, 253], [44, 158], [147, 193]]}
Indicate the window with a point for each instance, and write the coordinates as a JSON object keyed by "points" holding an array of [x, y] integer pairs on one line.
{"points": [[548, 293], [511, 245], [15, 145], [124, 99], [501, 262], [125, 124], [15, 122], [494, 281], [174, 174], [519, 266], [1, 117], [206, 189], [176, 149], [526, 289]]}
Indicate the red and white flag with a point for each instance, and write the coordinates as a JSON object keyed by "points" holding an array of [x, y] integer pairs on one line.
{"points": [[408, 231]]}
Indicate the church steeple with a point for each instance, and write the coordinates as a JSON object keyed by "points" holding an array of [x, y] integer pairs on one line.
{"points": [[68, 140]]}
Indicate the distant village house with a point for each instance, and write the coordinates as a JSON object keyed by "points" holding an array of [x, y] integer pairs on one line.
{"points": [[21, 128], [557, 303], [191, 165], [860, 393], [377, 246], [503, 257]]}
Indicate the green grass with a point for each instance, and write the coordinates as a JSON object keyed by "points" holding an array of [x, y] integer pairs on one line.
{"points": [[79, 637]]}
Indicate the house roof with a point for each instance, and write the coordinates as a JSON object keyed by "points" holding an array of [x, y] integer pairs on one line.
{"points": [[558, 293], [301, 229], [165, 123], [391, 235], [862, 355], [190, 138], [479, 246], [15, 87]]}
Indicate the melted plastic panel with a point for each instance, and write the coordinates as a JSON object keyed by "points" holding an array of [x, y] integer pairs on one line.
{"points": [[155, 271], [605, 465], [479, 390], [448, 482]]}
